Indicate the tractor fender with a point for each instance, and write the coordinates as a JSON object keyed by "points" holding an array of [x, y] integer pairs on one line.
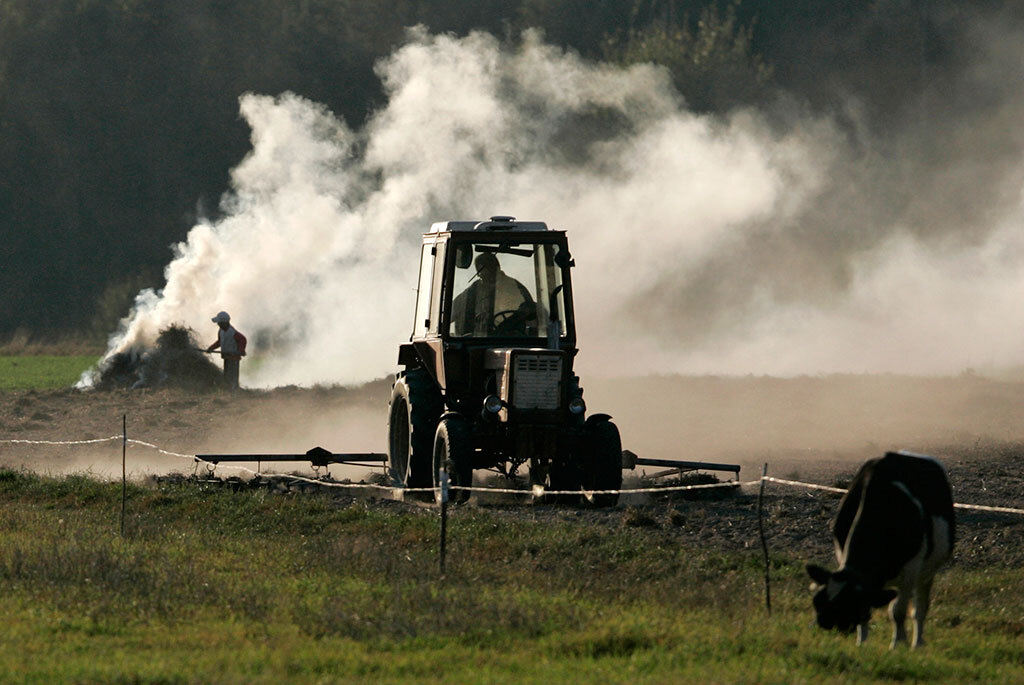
{"points": [[597, 418]]}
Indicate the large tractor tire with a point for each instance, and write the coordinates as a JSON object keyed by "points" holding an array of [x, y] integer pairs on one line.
{"points": [[453, 451], [415, 409], [603, 469]]}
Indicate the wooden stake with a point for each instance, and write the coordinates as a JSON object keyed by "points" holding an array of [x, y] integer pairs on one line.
{"points": [[764, 543], [443, 478], [124, 470]]}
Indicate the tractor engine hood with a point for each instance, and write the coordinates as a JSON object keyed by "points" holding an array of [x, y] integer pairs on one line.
{"points": [[529, 379]]}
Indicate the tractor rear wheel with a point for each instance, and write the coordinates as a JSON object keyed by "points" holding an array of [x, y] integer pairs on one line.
{"points": [[603, 470], [453, 452], [413, 414]]}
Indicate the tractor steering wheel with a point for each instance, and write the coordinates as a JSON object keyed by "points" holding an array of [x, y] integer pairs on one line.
{"points": [[502, 317], [521, 321], [504, 322]]}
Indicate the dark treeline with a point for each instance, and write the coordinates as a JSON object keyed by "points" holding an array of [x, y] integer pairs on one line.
{"points": [[120, 118]]}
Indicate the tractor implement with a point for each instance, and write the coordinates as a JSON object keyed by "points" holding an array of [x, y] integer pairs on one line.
{"points": [[675, 466], [317, 456]]}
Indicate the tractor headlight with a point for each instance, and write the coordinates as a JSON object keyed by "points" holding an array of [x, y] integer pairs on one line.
{"points": [[492, 404], [577, 405]]}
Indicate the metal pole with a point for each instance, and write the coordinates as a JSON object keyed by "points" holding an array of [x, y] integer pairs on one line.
{"points": [[124, 471], [764, 542]]}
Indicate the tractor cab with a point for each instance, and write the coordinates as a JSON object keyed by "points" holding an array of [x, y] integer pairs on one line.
{"points": [[497, 279], [485, 287]]}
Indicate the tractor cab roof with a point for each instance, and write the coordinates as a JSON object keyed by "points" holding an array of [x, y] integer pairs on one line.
{"points": [[495, 223]]}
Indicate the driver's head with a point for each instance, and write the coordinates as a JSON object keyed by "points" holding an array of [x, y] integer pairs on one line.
{"points": [[486, 265]]}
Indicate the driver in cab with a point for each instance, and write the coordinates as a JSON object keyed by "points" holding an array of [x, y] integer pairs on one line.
{"points": [[495, 304]]}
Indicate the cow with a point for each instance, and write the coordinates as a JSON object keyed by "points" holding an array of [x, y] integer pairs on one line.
{"points": [[894, 529]]}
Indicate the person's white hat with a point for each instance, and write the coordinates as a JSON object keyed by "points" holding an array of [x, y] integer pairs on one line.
{"points": [[221, 317]]}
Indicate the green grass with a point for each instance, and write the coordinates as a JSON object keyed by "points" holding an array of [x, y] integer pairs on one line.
{"points": [[42, 372], [251, 587]]}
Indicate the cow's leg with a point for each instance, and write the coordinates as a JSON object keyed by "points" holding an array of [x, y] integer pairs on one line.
{"points": [[898, 614], [922, 599], [862, 632]]}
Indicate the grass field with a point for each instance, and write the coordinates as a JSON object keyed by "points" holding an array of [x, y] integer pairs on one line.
{"points": [[42, 372], [214, 586]]}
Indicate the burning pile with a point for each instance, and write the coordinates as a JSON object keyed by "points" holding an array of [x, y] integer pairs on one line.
{"points": [[176, 361]]}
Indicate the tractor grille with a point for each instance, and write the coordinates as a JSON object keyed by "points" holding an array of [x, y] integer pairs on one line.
{"points": [[536, 381]]}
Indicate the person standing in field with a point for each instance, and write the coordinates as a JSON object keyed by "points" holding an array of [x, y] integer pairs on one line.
{"points": [[232, 348]]}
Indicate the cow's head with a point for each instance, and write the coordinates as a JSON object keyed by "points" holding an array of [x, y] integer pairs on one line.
{"points": [[842, 601]]}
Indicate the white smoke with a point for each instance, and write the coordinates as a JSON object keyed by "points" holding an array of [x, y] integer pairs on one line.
{"points": [[910, 308], [316, 256]]}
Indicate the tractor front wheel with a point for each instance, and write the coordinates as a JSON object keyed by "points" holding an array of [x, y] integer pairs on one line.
{"points": [[562, 475], [604, 470], [453, 452]]}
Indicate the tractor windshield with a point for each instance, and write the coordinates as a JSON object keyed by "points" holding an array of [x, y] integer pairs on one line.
{"points": [[507, 290]]}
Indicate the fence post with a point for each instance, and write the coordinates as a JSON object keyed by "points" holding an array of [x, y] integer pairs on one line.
{"points": [[442, 478], [764, 542], [124, 470]]}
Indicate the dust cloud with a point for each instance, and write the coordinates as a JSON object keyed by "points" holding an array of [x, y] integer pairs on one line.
{"points": [[767, 242], [794, 423]]}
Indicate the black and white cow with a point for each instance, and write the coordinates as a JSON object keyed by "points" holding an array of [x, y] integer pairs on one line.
{"points": [[894, 529]]}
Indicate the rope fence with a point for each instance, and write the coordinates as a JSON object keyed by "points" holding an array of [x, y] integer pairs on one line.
{"points": [[119, 436], [797, 483], [536, 490]]}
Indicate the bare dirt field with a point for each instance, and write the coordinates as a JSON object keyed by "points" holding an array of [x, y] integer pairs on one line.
{"points": [[811, 429], [285, 420]]}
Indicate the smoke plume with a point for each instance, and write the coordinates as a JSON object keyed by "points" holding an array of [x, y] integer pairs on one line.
{"points": [[768, 242]]}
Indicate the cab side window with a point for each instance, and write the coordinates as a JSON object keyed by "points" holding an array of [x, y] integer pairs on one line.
{"points": [[435, 304], [422, 322]]}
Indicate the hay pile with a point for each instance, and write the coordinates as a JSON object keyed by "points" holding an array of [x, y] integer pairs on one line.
{"points": [[175, 361]]}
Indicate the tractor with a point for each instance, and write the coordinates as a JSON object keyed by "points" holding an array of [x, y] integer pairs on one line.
{"points": [[486, 379]]}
